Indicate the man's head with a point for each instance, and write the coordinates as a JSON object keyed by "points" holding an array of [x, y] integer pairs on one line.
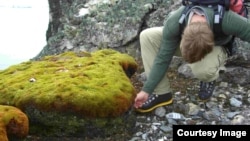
{"points": [[197, 41]]}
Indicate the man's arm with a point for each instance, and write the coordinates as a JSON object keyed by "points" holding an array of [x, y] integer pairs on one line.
{"points": [[170, 42], [234, 24]]}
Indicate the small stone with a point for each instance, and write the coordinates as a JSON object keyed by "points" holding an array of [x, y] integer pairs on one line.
{"points": [[32, 80]]}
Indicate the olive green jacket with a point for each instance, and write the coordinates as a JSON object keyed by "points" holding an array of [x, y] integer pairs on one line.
{"points": [[232, 24]]}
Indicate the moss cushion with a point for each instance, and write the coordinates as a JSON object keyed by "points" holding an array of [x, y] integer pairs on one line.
{"points": [[90, 84], [13, 122]]}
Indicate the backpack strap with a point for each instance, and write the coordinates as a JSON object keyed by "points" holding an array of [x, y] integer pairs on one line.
{"points": [[244, 10], [227, 4], [218, 15], [183, 16]]}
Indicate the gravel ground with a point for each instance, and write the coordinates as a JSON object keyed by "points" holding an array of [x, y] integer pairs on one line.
{"points": [[229, 105]]}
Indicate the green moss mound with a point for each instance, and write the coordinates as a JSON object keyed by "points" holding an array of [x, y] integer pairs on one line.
{"points": [[89, 84]]}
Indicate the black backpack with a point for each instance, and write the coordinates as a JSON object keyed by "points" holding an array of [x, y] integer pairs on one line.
{"points": [[219, 7]]}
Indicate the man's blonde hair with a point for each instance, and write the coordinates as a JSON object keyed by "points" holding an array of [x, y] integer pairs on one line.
{"points": [[197, 41]]}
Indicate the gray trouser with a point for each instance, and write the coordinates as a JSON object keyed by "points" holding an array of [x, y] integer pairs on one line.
{"points": [[205, 70]]}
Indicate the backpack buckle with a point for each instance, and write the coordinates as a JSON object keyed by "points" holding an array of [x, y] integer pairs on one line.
{"points": [[218, 14]]}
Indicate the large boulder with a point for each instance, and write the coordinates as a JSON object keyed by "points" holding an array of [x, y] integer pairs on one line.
{"points": [[70, 92]]}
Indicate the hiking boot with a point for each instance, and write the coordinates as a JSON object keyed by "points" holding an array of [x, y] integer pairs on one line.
{"points": [[155, 101], [206, 90]]}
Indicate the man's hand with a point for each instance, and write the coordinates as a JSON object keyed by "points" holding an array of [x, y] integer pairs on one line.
{"points": [[140, 99]]}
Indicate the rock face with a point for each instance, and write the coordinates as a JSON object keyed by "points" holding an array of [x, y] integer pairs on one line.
{"points": [[87, 25], [77, 25], [65, 91], [13, 123]]}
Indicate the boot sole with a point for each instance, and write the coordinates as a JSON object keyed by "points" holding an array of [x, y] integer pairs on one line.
{"points": [[156, 106], [204, 100]]}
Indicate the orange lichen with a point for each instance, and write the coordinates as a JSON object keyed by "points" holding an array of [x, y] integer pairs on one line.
{"points": [[13, 122]]}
